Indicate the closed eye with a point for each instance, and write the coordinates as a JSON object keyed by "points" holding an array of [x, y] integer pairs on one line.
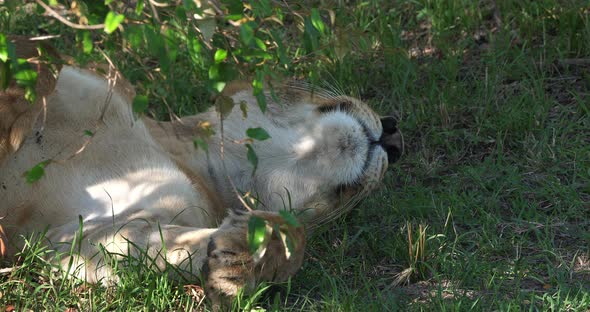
{"points": [[344, 106]]}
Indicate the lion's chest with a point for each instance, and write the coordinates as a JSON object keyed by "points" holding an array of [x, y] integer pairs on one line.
{"points": [[115, 175]]}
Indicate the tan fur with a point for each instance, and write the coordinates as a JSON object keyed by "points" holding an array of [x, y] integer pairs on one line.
{"points": [[17, 115], [138, 183]]}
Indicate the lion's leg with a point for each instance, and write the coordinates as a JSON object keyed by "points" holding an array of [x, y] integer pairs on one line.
{"points": [[220, 255], [94, 257]]}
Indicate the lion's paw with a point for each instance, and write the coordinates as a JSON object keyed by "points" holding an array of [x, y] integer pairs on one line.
{"points": [[230, 266]]}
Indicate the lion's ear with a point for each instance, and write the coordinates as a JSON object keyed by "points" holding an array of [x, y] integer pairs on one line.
{"points": [[17, 115]]}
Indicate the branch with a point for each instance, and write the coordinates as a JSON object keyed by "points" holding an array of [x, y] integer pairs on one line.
{"points": [[60, 18]]}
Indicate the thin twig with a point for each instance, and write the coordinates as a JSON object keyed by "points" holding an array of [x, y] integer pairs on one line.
{"points": [[159, 5], [60, 18], [222, 155], [41, 38]]}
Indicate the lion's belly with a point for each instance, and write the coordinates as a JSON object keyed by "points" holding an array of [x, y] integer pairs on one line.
{"points": [[120, 176]]}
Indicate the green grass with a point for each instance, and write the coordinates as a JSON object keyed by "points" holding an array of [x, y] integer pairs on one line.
{"points": [[495, 110]]}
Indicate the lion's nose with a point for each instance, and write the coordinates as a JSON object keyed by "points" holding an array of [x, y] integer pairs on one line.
{"points": [[391, 139]]}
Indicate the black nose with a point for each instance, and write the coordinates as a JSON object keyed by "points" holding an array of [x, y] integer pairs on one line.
{"points": [[389, 124], [391, 139]]}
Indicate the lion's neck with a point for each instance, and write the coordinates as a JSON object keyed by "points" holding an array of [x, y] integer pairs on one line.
{"points": [[177, 139], [274, 188]]}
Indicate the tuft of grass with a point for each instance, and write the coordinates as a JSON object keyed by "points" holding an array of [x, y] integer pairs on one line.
{"points": [[493, 99]]}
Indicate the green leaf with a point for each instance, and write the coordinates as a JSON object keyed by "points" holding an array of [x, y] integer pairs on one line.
{"points": [[260, 44], [87, 44], [289, 218], [207, 28], [26, 76], [220, 55], [261, 8], [30, 94], [36, 173], [224, 105], [107, 2], [112, 21], [256, 233], [310, 36], [194, 49], [283, 59], [88, 133], [257, 134], [316, 20], [139, 7], [244, 109], [257, 88], [261, 99], [12, 4], [214, 72], [200, 143], [246, 33], [219, 86], [140, 104], [3, 48], [252, 158]]}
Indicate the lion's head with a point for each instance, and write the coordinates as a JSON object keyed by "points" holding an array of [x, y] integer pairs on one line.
{"points": [[326, 150]]}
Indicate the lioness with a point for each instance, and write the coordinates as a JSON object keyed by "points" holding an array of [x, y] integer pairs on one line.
{"points": [[142, 182]]}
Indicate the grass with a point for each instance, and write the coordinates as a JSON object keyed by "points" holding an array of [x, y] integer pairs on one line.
{"points": [[494, 102]]}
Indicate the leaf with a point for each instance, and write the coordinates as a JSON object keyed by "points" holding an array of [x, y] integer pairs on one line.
{"points": [[214, 72], [310, 36], [219, 86], [140, 104], [289, 218], [257, 90], [260, 44], [261, 99], [257, 134], [252, 158], [30, 94], [316, 20], [139, 7], [246, 33], [207, 28], [134, 34], [194, 49], [3, 48], [87, 45], [112, 21], [244, 109], [224, 105], [261, 8], [220, 55], [88, 133], [35, 173], [26, 77], [256, 233], [200, 143]]}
